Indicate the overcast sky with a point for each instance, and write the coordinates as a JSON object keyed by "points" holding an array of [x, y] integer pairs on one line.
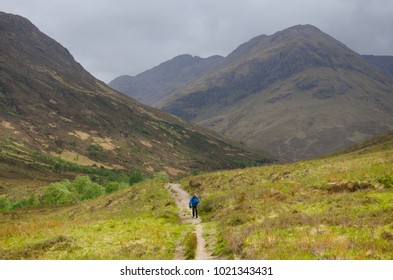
{"points": [[115, 37]]}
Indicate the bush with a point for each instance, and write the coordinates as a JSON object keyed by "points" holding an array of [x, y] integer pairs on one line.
{"points": [[5, 203], [34, 200], [79, 184], [112, 187], [57, 193], [91, 191], [84, 188], [24, 202], [66, 192], [96, 151], [135, 177], [386, 181]]}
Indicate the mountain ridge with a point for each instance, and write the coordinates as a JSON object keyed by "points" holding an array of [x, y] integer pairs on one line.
{"points": [[302, 68], [151, 86], [51, 105], [383, 62]]}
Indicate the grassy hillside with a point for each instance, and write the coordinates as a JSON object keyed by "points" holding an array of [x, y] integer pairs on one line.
{"points": [[50, 104], [140, 222], [338, 207]]}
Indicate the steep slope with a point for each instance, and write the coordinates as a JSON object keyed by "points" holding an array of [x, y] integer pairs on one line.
{"points": [[154, 85], [383, 62], [298, 93], [50, 105]]}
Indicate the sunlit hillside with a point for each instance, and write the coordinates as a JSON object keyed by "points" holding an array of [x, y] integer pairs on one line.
{"points": [[338, 207]]}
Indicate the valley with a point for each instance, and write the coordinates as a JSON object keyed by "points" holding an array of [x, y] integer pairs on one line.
{"points": [[337, 207], [88, 173]]}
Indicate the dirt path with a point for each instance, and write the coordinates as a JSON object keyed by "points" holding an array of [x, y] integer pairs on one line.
{"points": [[182, 199]]}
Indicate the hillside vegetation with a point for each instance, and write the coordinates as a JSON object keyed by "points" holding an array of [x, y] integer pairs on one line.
{"points": [[298, 93], [338, 207], [50, 104], [140, 222]]}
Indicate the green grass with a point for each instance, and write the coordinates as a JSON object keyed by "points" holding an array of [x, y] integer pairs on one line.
{"points": [[338, 207], [190, 243], [140, 222]]}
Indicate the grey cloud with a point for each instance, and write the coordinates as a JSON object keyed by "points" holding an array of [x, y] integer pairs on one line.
{"points": [[114, 37]]}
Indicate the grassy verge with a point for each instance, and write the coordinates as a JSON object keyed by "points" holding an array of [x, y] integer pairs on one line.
{"points": [[140, 222], [338, 207], [190, 244]]}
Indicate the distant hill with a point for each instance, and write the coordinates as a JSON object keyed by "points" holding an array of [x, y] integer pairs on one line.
{"points": [[50, 105], [383, 62], [298, 93], [376, 144], [152, 86]]}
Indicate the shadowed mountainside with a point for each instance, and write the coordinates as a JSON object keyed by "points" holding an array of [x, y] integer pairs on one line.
{"points": [[152, 86], [298, 93], [383, 62], [50, 105]]}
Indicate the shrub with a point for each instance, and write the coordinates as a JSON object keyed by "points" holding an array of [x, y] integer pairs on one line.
{"points": [[57, 193], [207, 206], [80, 183], [112, 187], [135, 177], [24, 202], [96, 151], [34, 200], [5, 203], [386, 181], [91, 191], [84, 188]]}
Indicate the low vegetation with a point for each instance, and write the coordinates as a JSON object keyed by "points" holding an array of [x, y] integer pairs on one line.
{"points": [[338, 207], [69, 192], [190, 243], [140, 222]]}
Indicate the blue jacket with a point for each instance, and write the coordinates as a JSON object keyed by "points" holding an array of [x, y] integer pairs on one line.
{"points": [[194, 201]]}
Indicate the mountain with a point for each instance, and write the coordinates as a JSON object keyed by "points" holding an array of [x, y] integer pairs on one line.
{"points": [[298, 93], [152, 86], [51, 107], [383, 62]]}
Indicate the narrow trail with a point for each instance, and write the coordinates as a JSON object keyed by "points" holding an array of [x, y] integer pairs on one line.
{"points": [[182, 199]]}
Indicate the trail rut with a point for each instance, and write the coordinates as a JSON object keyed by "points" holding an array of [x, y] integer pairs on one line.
{"points": [[182, 199]]}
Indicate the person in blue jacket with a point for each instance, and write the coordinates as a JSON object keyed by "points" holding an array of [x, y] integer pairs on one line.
{"points": [[194, 205]]}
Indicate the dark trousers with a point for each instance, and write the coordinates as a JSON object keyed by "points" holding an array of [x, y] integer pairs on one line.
{"points": [[195, 211]]}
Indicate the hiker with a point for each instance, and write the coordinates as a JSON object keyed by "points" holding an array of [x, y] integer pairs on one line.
{"points": [[194, 205]]}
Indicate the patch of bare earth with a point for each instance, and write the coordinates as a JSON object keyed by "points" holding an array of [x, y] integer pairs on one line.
{"points": [[182, 199]]}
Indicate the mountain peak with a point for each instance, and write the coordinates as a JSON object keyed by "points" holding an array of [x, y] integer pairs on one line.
{"points": [[50, 104], [248, 94], [14, 22], [302, 27]]}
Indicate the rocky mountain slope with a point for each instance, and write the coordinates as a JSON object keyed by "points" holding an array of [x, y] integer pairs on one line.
{"points": [[298, 93], [152, 86], [384, 62], [50, 105]]}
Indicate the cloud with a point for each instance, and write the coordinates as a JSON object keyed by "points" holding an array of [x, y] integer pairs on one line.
{"points": [[114, 37]]}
